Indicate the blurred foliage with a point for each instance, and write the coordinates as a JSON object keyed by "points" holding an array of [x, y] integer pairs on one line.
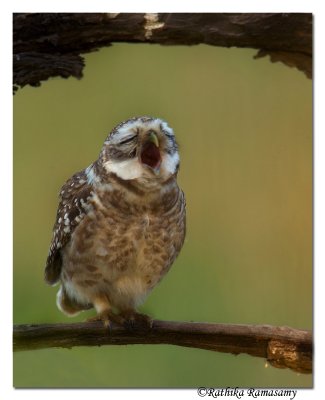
{"points": [[245, 134]]}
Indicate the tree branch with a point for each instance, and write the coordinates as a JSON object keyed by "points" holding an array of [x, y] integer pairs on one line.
{"points": [[47, 45], [282, 347]]}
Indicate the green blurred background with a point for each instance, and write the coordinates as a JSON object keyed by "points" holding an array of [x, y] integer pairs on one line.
{"points": [[245, 133]]}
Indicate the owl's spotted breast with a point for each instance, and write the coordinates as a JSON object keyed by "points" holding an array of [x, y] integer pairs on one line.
{"points": [[120, 223], [123, 251]]}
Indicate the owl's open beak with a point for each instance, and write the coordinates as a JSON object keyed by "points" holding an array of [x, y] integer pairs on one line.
{"points": [[153, 138], [150, 154]]}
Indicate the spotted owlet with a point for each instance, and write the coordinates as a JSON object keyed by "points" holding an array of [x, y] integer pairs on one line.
{"points": [[120, 223]]}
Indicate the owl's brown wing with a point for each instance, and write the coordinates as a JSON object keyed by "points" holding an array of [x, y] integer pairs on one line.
{"points": [[73, 198]]}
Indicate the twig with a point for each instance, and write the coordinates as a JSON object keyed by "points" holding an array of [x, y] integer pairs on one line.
{"points": [[282, 347]]}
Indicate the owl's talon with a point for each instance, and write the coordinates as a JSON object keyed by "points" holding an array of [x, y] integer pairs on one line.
{"points": [[129, 323], [105, 317], [107, 324], [134, 320]]}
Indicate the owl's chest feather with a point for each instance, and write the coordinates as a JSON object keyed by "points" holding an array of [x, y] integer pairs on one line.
{"points": [[125, 253], [118, 241], [139, 244]]}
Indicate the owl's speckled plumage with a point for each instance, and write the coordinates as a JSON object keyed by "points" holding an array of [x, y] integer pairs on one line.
{"points": [[120, 222]]}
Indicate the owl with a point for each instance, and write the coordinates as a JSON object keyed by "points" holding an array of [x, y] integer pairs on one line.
{"points": [[120, 224]]}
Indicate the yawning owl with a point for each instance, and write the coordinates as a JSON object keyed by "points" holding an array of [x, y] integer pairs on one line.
{"points": [[120, 223]]}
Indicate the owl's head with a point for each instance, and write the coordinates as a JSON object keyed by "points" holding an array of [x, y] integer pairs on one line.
{"points": [[142, 147]]}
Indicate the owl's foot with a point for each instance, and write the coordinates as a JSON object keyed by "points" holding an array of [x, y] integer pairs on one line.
{"points": [[134, 320], [104, 311], [107, 317]]}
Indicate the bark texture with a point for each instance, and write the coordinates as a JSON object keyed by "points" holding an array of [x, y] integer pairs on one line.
{"points": [[282, 347], [48, 45]]}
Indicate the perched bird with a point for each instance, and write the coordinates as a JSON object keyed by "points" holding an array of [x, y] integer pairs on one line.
{"points": [[120, 224]]}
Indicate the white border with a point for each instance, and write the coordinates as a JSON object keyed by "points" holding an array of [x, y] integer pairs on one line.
{"points": [[165, 6], [6, 390]]}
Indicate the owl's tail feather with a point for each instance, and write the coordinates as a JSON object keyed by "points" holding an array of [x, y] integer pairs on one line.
{"points": [[70, 306]]}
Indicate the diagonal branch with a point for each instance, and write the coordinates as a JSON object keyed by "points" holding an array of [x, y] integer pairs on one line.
{"points": [[282, 347]]}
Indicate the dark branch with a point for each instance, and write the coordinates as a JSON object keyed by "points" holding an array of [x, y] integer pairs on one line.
{"points": [[47, 45], [282, 347]]}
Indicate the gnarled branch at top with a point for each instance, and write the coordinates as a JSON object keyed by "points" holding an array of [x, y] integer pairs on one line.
{"points": [[282, 347], [47, 45]]}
